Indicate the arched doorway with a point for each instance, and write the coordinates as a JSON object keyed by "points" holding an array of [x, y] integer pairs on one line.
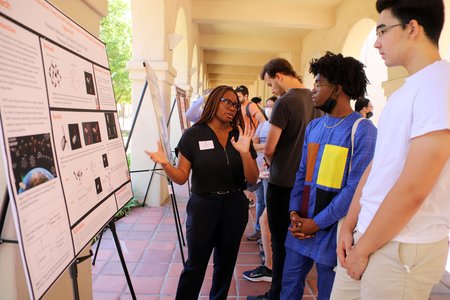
{"points": [[180, 63], [359, 44]]}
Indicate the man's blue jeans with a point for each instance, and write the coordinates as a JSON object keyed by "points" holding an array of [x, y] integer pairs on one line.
{"points": [[260, 202], [296, 267]]}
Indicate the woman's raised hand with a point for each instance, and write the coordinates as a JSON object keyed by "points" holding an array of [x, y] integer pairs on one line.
{"points": [[158, 156], [245, 137]]}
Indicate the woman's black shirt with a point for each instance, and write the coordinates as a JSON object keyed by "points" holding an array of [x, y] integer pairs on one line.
{"points": [[214, 168]]}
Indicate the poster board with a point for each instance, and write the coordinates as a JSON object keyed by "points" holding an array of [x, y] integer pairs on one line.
{"points": [[182, 105], [159, 109], [60, 138]]}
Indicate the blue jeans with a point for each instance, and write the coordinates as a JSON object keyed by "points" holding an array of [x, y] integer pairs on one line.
{"points": [[260, 202], [296, 267]]}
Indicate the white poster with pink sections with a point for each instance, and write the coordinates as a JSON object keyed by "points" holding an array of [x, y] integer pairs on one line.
{"points": [[60, 138]]}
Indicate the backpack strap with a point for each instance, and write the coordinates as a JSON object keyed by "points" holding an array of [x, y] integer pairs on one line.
{"points": [[249, 116], [354, 128], [263, 113]]}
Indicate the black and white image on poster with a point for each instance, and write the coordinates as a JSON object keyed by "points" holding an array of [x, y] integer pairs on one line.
{"points": [[64, 157]]}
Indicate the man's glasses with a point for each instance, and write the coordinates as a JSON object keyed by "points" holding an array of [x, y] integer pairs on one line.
{"points": [[381, 30], [228, 103], [317, 85]]}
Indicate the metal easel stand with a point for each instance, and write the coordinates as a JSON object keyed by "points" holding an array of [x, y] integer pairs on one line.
{"points": [[154, 170], [3, 218], [73, 269]]}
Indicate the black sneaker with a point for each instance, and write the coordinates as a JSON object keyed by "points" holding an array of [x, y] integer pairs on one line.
{"points": [[261, 273]]}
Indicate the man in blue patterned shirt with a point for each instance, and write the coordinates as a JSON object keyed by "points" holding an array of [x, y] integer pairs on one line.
{"points": [[329, 172]]}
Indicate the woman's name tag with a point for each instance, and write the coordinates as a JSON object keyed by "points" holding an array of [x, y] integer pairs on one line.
{"points": [[206, 145]]}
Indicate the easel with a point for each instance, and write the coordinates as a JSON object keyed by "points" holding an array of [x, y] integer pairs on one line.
{"points": [[73, 269], [112, 226], [3, 218], [181, 241]]}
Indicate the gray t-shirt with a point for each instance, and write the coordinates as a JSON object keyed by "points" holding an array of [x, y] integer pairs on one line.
{"points": [[292, 112]]}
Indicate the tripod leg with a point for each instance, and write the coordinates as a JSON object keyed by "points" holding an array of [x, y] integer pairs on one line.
{"points": [[176, 213], [112, 226], [74, 275], [149, 183], [179, 231], [98, 247]]}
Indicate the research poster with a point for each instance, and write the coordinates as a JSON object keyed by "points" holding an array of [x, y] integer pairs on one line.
{"points": [[64, 156], [183, 105], [159, 108]]}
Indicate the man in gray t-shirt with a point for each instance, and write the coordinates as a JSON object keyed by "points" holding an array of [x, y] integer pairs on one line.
{"points": [[290, 116], [292, 113]]}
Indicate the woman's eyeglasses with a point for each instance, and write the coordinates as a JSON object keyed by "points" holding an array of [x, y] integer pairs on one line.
{"points": [[228, 103]]}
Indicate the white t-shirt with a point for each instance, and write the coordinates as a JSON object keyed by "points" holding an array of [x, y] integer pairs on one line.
{"points": [[420, 106]]}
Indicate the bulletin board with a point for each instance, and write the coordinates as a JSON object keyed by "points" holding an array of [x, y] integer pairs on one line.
{"points": [[64, 156]]}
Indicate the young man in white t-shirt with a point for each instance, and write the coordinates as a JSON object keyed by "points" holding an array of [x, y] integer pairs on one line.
{"points": [[401, 208]]}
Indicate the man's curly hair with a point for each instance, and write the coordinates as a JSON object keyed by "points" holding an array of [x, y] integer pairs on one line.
{"points": [[345, 71]]}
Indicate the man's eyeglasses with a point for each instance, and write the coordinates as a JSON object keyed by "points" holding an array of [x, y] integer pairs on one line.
{"points": [[317, 85], [381, 30], [228, 103]]}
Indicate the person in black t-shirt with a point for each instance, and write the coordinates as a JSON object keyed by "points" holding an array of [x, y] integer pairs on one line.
{"points": [[218, 150], [283, 149]]}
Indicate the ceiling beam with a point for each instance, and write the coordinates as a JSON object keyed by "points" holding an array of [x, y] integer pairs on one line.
{"points": [[229, 82], [233, 70], [256, 59], [249, 43], [231, 77], [263, 13]]}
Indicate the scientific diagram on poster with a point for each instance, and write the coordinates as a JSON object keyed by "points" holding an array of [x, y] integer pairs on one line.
{"points": [[64, 156]]}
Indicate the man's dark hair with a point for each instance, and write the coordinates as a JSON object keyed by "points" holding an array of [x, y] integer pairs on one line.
{"points": [[256, 100], [273, 98], [345, 71], [361, 103], [428, 13], [242, 89], [278, 65]]}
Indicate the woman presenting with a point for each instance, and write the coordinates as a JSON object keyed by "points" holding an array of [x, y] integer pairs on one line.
{"points": [[219, 152]]}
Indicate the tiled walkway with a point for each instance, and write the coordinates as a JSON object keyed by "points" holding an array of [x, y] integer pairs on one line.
{"points": [[149, 242]]}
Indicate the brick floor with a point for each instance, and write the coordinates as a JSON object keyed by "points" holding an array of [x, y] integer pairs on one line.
{"points": [[149, 241]]}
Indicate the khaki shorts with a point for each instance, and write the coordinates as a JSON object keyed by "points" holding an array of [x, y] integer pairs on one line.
{"points": [[395, 271]]}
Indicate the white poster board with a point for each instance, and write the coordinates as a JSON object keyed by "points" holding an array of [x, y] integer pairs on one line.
{"points": [[159, 108], [65, 161]]}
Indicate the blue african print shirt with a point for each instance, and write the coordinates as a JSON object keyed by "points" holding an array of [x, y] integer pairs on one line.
{"points": [[324, 184]]}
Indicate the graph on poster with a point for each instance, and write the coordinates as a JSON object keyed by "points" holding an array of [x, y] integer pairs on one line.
{"points": [[64, 156]]}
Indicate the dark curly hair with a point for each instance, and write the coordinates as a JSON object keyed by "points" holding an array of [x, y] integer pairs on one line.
{"points": [[212, 104], [345, 71], [428, 13]]}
